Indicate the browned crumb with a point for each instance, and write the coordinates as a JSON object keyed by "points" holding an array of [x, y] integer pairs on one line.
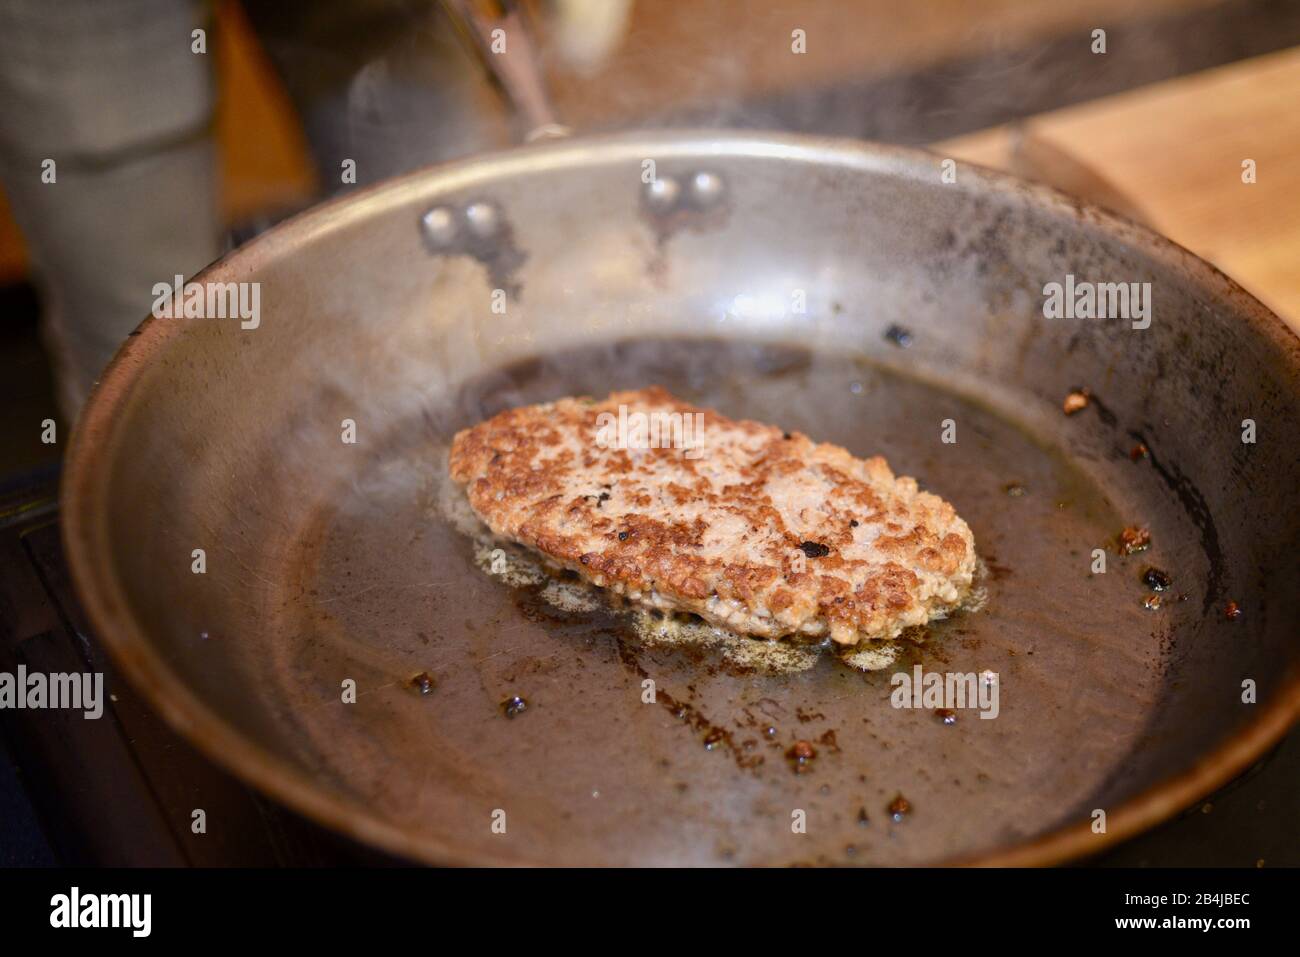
{"points": [[801, 756], [1075, 402], [423, 683], [1133, 539], [1156, 579], [899, 807]]}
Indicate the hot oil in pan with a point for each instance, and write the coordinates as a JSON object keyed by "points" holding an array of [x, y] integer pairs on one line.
{"points": [[565, 591], [631, 751]]}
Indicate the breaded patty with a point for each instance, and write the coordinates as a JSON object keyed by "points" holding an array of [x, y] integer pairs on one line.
{"points": [[679, 508]]}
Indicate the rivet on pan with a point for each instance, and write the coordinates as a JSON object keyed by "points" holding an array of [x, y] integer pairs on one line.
{"points": [[662, 193], [439, 226], [483, 219], [706, 188]]}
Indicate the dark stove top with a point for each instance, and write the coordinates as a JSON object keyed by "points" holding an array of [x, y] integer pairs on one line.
{"points": [[122, 790]]}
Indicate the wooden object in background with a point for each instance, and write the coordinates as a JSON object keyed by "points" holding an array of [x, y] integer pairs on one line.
{"points": [[1174, 151]]}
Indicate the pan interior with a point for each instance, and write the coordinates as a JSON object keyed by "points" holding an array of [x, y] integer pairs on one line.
{"points": [[378, 586], [301, 457]]}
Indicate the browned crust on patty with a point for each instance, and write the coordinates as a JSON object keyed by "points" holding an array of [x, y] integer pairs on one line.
{"points": [[760, 531]]}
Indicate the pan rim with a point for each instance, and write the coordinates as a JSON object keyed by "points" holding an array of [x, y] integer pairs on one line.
{"points": [[85, 507]]}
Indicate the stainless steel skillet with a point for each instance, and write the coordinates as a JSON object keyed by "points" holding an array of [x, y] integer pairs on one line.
{"points": [[774, 278]]}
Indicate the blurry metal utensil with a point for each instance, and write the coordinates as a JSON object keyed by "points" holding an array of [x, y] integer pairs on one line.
{"points": [[499, 33]]}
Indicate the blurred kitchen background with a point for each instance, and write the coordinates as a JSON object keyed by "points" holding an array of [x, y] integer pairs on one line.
{"points": [[301, 86]]}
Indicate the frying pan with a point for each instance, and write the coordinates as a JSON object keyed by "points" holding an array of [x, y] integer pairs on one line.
{"points": [[838, 288]]}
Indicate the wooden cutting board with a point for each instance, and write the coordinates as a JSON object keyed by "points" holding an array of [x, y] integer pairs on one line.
{"points": [[1171, 156]]}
